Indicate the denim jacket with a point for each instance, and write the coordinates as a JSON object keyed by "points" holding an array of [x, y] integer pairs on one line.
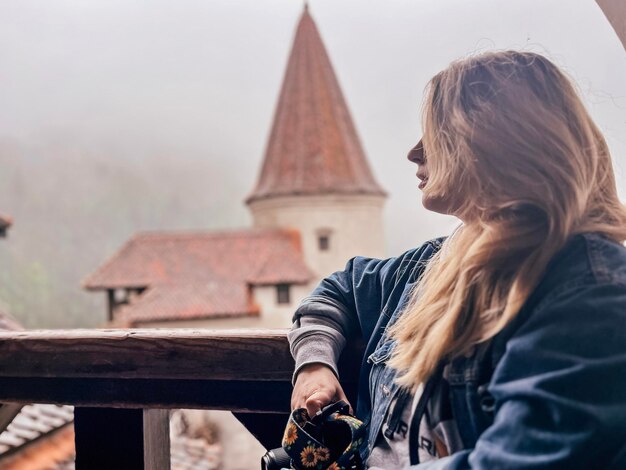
{"points": [[549, 391]]}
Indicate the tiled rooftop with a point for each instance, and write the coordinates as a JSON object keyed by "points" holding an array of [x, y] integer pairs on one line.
{"points": [[200, 275], [188, 302], [37, 438], [313, 147], [253, 256]]}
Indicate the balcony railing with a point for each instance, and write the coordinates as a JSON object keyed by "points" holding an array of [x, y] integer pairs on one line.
{"points": [[122, 383]]}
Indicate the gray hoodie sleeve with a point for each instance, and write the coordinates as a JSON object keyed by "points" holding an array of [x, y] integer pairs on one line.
{"points": [[319, 333], [330, 316]]}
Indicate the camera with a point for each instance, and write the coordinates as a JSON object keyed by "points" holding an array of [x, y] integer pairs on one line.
{"points": [[275, 459]]}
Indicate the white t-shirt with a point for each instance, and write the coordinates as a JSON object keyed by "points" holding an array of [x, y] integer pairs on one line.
{"points": [[438, 433]]}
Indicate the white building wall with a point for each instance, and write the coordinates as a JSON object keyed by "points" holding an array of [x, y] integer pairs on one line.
{"points": [[355, 224], [277, 315]]}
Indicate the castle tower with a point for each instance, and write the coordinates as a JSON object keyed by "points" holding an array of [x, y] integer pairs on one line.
{"points": [[315, 176]]}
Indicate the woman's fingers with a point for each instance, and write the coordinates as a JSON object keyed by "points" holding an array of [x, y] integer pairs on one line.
{"points": [[342, 396], [317, 401], [316, 386]]}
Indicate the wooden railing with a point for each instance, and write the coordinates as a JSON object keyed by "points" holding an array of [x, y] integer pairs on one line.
{"points": [[122, 382]]}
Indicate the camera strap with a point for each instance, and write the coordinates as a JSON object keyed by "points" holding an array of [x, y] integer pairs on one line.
{"points": [[330, 440]]}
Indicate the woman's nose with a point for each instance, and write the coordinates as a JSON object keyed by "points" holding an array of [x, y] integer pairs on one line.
{"points": [[416, 154]]}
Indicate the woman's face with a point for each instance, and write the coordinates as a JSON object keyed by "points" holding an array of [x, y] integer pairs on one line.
{"points": [[440, 204]]}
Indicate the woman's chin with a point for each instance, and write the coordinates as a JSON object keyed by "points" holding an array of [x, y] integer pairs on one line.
{"points": [[436, 204]]}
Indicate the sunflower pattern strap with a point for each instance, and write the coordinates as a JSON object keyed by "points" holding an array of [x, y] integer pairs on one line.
{"points": [[309, 452]]}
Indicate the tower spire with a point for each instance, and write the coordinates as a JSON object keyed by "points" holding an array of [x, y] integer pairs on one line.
{"points": [[313, 146]]}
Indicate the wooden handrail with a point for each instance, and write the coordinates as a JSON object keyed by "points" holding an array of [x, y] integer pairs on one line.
{"points": [[244, 354], [238, 370], [108, 374]]}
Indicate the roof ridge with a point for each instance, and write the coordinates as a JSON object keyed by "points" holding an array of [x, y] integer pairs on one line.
{"points": [[219, 233]]}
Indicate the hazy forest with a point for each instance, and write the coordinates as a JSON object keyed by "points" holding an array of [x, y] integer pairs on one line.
{"points": [[73, 208]]}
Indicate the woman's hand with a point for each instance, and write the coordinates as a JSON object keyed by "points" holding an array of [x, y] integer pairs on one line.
{"points": [[316, 386]]}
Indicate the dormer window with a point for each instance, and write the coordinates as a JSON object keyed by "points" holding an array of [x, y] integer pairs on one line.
{"points": [[282, 294]]}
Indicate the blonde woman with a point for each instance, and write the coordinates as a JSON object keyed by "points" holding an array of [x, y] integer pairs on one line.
{"points": [[503, 346]]}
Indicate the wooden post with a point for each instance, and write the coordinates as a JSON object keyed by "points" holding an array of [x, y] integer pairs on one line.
{"points": [[156, 439], [124, 439]]}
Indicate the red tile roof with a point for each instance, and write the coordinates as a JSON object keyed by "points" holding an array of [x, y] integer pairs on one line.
{"points": [[188, 302], [313, 146], [200, 275], [251, 256], [31, 423], [40, 437]]}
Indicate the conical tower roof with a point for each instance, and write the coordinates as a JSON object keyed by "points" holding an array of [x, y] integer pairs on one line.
{"points": [[313, 147]]}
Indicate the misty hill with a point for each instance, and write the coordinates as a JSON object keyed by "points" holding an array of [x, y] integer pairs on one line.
{"points": [[73, 207]]}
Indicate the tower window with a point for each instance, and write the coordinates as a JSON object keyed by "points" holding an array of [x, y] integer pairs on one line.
{"points": [[282, 294], [324, 242]]}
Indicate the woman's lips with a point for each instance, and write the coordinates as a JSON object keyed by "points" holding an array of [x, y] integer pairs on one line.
{"points": [[423, 183]]}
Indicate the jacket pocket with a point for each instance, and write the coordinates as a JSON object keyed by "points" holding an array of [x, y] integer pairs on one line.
{"points": [[382, 354]]}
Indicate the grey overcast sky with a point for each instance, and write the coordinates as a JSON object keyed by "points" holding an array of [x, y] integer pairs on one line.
{"points": [[198, 80]]}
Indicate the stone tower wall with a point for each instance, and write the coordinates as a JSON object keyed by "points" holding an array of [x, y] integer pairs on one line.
{"points": [[354, 224]]}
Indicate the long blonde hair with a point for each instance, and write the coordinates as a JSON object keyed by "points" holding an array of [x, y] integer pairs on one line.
{"points": [[507, 132]]}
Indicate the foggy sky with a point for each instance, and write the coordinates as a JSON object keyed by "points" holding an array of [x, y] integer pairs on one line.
{"points": [[195, 83]]}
